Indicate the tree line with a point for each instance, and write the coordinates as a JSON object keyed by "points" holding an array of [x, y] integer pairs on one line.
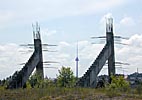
{"points": [[64, 79]]}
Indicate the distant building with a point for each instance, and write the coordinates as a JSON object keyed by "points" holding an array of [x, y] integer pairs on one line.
{"points": [[106, 77], [135, 79]]}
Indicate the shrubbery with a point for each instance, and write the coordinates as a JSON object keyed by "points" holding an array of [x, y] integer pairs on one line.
{"points": [[117, 86], [66, 77]]}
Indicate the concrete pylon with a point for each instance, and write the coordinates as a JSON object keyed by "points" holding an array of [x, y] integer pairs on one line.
{"points": [[20, 78], [110, 41], [38, 51], [89, 79]]}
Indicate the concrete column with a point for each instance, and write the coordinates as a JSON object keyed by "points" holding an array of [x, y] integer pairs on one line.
{"points": [[110, 41], [93, 78], [38, 51]]}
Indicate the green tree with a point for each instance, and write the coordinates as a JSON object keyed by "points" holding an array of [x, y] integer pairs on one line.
{"points": [[117, 86], [119, 83], [66, 77], [36, 81]]}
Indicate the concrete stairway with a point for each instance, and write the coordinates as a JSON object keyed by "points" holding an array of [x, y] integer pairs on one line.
{"points": [[19, 78], [89, 79]]}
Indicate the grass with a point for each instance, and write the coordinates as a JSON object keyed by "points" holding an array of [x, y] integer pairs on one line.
{"points": [[57, 93]]}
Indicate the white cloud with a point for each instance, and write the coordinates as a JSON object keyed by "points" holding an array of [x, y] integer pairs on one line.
{"points": [[30, 11], [135, 40], [127, 21], [10, 57], [63, 43], [6, 16], [131, 54], [47, 32], [88, 50]]}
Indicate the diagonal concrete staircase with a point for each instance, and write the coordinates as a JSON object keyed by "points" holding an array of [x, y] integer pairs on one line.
{"points": [[20, 78], [89, 79]]}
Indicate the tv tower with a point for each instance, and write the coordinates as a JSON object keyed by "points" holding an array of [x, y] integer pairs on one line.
{"points": [[77, 59]]}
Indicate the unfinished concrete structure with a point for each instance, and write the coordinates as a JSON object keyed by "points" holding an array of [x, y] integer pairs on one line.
{"points": [[19, 79], [89, 79]]}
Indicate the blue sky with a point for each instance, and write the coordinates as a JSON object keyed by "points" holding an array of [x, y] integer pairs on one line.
{"points": [[64, 23]]}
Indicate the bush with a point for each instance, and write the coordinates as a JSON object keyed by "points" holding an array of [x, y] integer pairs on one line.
{"points": [[65, 78], [118, 85]]}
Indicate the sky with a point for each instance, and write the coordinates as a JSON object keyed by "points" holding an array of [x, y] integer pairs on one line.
{"points": [[66, 22]]}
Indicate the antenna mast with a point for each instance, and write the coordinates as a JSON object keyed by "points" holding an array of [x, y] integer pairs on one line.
{"points": [[77, 59]]}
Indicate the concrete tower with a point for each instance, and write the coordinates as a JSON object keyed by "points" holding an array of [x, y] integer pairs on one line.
{"points": [[20, 78], [38, 51], [89, 79], [110, 41], [77, 60]]}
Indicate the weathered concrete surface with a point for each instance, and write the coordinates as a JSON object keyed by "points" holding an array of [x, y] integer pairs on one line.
{"points": [[38, 50], [35, 61], [89, 79]]}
